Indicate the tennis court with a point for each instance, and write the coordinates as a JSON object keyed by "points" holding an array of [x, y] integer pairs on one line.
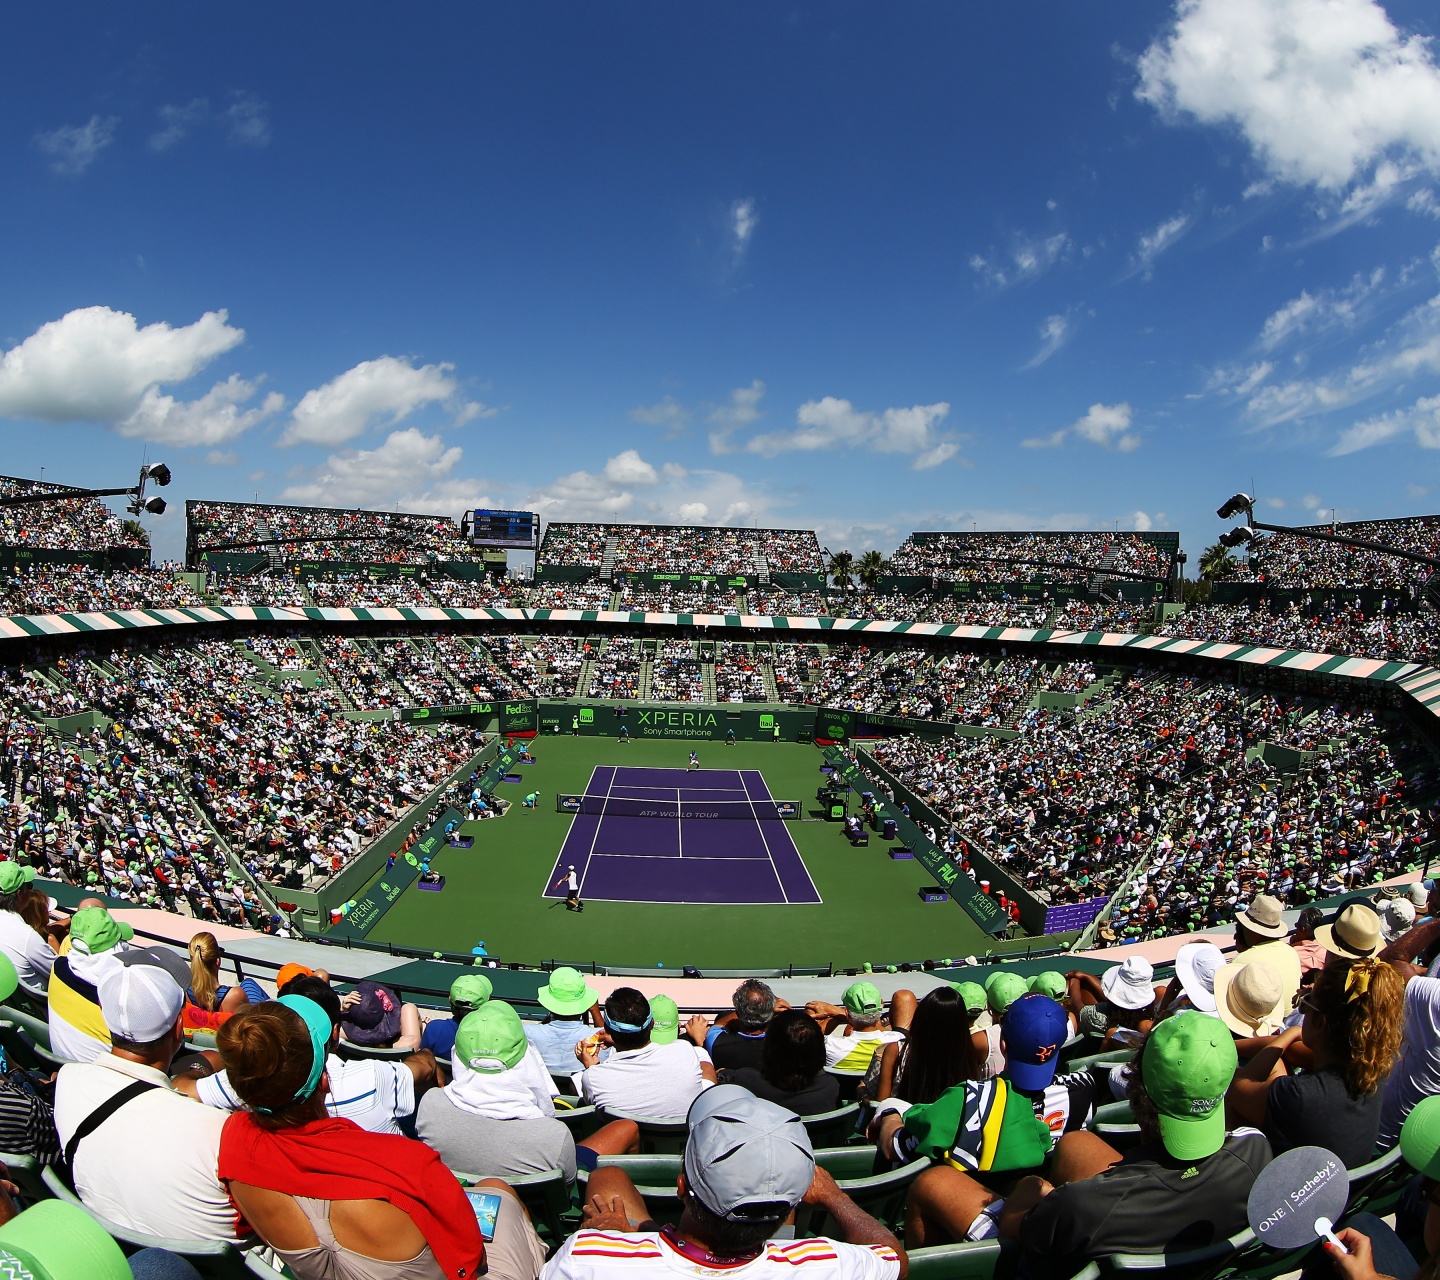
{"points": [[704, 836]]}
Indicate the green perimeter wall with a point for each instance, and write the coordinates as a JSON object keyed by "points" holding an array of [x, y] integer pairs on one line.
{"points": [[701, 721]]}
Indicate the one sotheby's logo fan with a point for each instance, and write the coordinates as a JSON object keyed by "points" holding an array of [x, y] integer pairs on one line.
{"points": [[1296, 1193]]}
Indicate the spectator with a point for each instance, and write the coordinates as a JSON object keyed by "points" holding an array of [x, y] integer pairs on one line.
{"points": [[496, 1116], [747, 1164], [657, 1081], [77, 1024], [27, 1122], [854, 1029], [739, 1041], [1196, 964], [32, 956], [53, 1240], [1002, 1125], [374, 1094], [1184, 1187], [1247, 1000], [207, 992], [467, 993], [1261, 934], [1120, 1005], [1352, 1029], [939, 1051], [374, 1017], [1310, 953], [569, 1003], [149, 1166], [331, 1198], [791, 1072]]}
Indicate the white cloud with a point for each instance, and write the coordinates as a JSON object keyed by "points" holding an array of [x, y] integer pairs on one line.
{"points": [[1257, 189], [214, 418], [1141, 522], [410, 468], [73, 148], [1055, 332], [247, 121], [1053, 441], [692, 513], [221, 458], [669, 414], [1108, 425], [1321, 90], [1026, 258], [1324, 309], [1424, 202], [1154, 243], [630, 468], [1422, 418], [744, 218], [95, 364], [179, 122], [742, 409], [375, 393], [831, 422]]}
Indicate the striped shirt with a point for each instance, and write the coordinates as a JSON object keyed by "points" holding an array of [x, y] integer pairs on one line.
{"points": [[374, 1094], [617, 1255]]}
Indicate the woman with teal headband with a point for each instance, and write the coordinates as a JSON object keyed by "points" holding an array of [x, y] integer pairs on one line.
{"points": [[333, 1200]]}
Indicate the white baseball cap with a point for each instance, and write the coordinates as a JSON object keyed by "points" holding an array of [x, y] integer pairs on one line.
{"points": [[140, 1003]]}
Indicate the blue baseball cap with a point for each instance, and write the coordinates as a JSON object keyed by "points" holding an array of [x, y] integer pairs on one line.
{"points": [[1034, 1028]]}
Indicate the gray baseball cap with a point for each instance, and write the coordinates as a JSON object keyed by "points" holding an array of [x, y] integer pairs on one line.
{"points": [[745, 1155]]}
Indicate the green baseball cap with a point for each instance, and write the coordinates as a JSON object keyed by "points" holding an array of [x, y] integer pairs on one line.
{"points": [[863, 1000], [491, 1039], [566, 992], [1003, 988], [665, 1020], [94, 930], [9, 979], [1189, 1062], [1050, 983], [53, 1240], [13, 876], [470, 991], [973, 994], [1420, 1137]]}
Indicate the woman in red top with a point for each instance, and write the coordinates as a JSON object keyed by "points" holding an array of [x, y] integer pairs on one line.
{"points": [[332, 1199]]}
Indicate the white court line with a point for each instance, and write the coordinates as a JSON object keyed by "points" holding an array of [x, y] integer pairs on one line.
{"points": [[679, 825], [755, 818], [590, 857]]}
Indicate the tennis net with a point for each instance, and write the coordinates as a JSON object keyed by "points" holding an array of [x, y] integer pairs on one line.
{"points": [[627, 807]]}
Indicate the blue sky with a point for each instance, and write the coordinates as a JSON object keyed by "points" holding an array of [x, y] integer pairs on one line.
{"points": [[861, 267]]}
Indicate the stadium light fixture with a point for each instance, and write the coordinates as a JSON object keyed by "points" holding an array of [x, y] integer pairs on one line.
{"points": [[158, 473], [1240, 536], [1241, 502]]}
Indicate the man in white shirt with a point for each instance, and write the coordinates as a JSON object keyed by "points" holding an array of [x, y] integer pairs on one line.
{"points": [[32, 956], [150, 1164], [376, 1095], [747, 1164], [641, 1078]]}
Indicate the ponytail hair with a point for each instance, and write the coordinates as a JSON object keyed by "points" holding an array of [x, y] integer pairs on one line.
{"points": [[1360, 1006], [204, 968]]}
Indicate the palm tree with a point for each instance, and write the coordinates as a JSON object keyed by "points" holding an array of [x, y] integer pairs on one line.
{"points": [[1216, 563], [841, 564], [869, 568], [134, 529]]}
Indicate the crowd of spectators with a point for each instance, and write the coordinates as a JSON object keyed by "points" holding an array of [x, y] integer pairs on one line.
{"points": [[991, 557], [64, 588], [1285, 561], [666, 597], [682, 548], [676, 674], [1395, 632], [739, 673], [62, 524], [360, 591], [616, 670]]}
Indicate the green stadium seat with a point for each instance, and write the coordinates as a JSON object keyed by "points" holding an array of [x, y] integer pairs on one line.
{"points": [[581, 1121], [1189, 1264], [354, 1052], [882, 1195], [830, 1128], [21, 1048], [25, 1173], [657, 1137], [970, 1260], [849, 1082]]}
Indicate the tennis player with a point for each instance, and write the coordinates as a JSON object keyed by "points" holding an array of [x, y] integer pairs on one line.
{"points": [[694, 761], [572, 889]]}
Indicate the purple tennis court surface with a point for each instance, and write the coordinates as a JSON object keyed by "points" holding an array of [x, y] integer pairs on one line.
{"points": [[694, 860]]}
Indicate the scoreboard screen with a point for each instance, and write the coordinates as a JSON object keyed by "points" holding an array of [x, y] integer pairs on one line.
{"points": [[504, 529]]}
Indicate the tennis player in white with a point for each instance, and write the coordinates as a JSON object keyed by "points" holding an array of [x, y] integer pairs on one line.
{"points": [[572, 889]]}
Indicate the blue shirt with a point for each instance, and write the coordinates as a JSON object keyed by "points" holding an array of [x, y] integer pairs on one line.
{"points": [[556, 1041], [439, 1037]]}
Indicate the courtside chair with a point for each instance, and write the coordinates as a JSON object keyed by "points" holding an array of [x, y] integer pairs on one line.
{"points": [[213, 1259]]}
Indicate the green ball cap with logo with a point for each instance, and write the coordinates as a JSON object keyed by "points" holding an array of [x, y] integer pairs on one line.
{"points": [[1189, 1062], [53, 1240], [9, 979], [863, 1000], [1003, 988], [491, 1039], [94, 931], [14, 877], [665, 1013], [566, 993], [470, 991], [1050, 983]]}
